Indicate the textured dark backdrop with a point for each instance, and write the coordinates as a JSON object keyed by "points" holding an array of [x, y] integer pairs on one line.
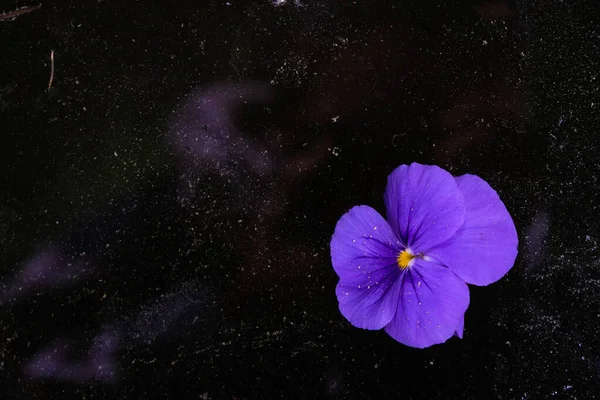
{"points": [[136, 262]]}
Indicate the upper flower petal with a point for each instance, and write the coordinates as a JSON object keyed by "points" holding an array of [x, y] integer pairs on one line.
{"points": [[424, 206], [363, 254], [431, 305], [485, 247]]}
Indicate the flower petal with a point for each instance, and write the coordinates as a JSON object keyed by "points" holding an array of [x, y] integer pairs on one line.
{"points": [[424, 206], [431, 304], [363, 253], [362, 234], [372, 304], [460, 328], [485, 247]]}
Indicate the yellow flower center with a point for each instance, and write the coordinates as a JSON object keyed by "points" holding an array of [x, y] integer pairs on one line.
{"points": [[404, 259]]}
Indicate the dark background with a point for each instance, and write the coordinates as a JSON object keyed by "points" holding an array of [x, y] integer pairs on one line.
{"points": [[135, 264]]}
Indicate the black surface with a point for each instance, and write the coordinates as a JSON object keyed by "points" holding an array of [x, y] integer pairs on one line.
{"points": [[189, 277]]}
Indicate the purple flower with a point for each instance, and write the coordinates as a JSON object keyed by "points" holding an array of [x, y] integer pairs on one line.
{"points": [[409, 274]]}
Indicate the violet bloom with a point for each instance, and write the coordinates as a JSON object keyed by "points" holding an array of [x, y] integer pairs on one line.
{"points": [[409, 274]]}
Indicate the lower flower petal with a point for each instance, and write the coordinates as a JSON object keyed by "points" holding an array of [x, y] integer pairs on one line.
{"points": [[363, 253], [484, 249], [460, 328], [432, 301], [372, 304]]}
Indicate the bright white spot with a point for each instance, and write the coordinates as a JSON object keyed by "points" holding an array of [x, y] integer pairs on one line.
{"points": [[278, 3]]}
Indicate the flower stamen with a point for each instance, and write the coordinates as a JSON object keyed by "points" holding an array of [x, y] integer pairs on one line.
{"points": [[404, 259]]}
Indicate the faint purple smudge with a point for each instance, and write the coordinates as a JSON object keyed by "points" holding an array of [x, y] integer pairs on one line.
{"points": [[204, 128], [53, 361], [535, 240], [49, 268]]}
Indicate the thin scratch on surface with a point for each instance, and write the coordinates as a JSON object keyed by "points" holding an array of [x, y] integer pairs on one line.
{"points": [[51, 69], [12, 15]]}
